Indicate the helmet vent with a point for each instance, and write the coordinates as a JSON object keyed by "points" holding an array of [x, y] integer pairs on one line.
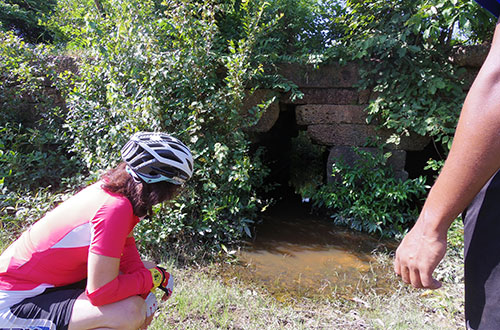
{"points": [[177, 148], [169, 155], [155, 145]]}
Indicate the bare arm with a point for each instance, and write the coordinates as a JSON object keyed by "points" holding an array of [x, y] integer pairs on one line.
{"points": [[101, 270], [473, 159]]}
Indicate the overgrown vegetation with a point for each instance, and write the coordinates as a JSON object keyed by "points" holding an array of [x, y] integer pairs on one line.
{"points": [[34, 145], [403, 51], [403, 48], [185, 66], [366, 195], [27, 18], [151, 66]]}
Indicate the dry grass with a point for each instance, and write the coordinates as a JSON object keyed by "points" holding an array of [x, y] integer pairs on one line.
{"points": [[203, 299]]}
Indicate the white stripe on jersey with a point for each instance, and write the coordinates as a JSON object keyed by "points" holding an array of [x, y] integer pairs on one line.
{"points": [[77, 237]]}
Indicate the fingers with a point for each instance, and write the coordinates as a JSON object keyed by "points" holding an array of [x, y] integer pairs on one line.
{"points": [[428, 281], [418, 279]]}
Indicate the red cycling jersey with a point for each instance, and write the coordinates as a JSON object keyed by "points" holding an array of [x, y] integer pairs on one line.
{"points": [[54, 251]]}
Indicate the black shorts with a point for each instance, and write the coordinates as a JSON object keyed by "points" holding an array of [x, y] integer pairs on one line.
{"points": [[482, 258], [50, 310]]}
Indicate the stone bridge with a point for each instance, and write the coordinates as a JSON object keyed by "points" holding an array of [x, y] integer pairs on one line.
{"points": [[332, 109]]}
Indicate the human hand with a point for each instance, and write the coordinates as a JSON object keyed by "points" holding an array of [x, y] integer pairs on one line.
{"points": [[417, 256], [162, 280]]}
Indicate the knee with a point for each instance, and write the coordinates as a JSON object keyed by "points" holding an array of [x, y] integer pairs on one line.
{"points": [[133, 314]]}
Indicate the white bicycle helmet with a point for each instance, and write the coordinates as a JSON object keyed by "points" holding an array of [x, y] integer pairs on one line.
{"points": [[154, 157]]}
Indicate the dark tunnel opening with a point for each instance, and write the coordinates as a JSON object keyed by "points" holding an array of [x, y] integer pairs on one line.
{"points": [[416, 161], [277, 145], [278, 152]]}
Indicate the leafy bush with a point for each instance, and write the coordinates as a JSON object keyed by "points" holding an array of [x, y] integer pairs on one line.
{"points": [[25, 18], [366, 196], [19, 209], [304, 27], [404, 50], [160, 67], [33, 143]]}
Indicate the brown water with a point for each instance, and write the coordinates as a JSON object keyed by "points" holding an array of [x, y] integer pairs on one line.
{"points": [[297, 254]]}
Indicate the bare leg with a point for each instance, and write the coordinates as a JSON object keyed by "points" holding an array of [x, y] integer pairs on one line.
{"points": [[129, 313]]}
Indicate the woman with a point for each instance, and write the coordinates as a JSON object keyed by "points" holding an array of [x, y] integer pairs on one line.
{"points": [[78, 267]]}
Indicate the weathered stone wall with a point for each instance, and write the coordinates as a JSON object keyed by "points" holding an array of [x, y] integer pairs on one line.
{"points": [[332, 109]]}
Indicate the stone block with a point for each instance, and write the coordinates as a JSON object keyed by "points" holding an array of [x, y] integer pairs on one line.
{"points": [[470, 55], [341, 134], [364, 96], [348, 155], [358, 135], [269, 116], [330, 114], [401, 175], [324, 96], [322, 76]]}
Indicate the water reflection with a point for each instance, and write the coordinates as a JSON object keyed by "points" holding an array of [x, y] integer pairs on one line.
{"points": [[295, 253]]}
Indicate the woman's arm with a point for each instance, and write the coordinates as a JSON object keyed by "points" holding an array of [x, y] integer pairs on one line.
{"points": [[473, 159], [101, 271], [105, 285], [130, 260]]}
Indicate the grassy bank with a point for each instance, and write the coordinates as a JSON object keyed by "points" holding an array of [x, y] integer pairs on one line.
{"points": [[203, 299], [206, 298]]}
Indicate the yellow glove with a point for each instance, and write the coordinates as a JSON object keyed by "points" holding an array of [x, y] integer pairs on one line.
{"points": [[162, 280]]}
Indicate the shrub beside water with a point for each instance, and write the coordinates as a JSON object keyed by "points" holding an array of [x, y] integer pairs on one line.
{"points": [[366, 196]]}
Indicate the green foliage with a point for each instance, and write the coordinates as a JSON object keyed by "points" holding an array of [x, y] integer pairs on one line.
{"points": [[303, 26], [404, 48], [33, 144], [21, 208], [185, 66], [160, 67], [366, 196], [25, 17]]}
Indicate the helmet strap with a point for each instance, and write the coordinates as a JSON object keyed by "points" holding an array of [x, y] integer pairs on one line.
{"points": [[132, 174]]}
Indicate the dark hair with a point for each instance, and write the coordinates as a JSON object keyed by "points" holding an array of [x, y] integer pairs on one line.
{"points": [[141, 195]]}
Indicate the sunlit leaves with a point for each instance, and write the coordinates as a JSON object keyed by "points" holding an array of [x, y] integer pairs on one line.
{"points": [[366, 196], [404, 48], [160, 67]]}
